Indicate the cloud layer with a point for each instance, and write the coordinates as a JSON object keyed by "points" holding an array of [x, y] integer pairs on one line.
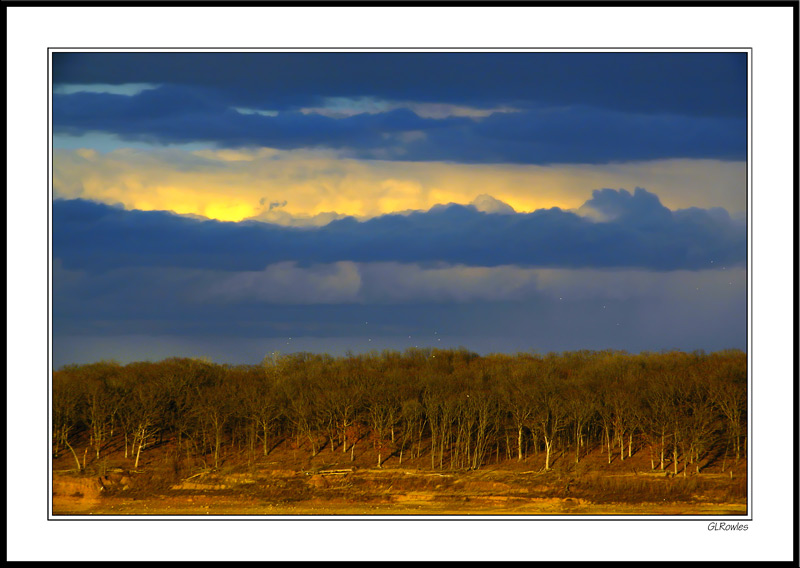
{"points": [[240, 316], [531, 108], [546, 135], [699, 84], [635, 230], [308, 187]]}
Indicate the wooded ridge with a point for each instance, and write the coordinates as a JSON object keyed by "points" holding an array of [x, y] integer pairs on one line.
{"points": [[456, 407]]}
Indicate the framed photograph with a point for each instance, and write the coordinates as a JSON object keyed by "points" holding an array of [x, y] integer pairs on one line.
{"points": [[509, 288]]}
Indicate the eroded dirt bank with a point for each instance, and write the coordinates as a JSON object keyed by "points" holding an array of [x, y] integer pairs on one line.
{"points": [[353, 491]]}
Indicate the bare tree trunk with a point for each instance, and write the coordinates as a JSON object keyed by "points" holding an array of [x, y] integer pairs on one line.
{"points": [[455, 455], [738, 447], [441, 453], [675, 458], [312, 439], [419, 439], [547, 444], [77, 461], [725, 457], [138, 453]]}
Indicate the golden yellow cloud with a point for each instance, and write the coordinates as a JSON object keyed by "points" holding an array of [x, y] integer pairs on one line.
{"points": [[308, 187]]}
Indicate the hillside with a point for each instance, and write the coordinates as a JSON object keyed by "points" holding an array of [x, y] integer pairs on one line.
{"points": [[427, 432]]}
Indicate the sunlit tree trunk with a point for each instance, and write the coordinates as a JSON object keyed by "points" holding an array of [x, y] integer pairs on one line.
{"points": [[675, 454], [548, 444], [69, 446], [138, 453]]}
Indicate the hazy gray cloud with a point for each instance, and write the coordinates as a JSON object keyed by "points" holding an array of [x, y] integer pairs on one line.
{"points": [[286, 283], [379, 282], [163, 313]]}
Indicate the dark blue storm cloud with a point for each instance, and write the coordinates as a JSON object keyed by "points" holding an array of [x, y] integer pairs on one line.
{"points": [[699, 84], [636, 232], [175, 115], [569, 107], [178, 115], [583, 135]]}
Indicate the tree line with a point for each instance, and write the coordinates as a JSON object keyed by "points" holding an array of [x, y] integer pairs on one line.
{"points": [[456, 408]]}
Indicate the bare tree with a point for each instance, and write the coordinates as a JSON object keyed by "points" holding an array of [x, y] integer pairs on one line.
{"points": [[519, 397], [550, 413], [66, 405], [729, 395]]}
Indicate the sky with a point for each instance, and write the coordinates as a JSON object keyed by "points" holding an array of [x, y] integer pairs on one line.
{"points": [[233, 205]]}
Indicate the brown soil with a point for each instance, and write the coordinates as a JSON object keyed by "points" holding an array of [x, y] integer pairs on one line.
{"points": [[288, 482]]}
